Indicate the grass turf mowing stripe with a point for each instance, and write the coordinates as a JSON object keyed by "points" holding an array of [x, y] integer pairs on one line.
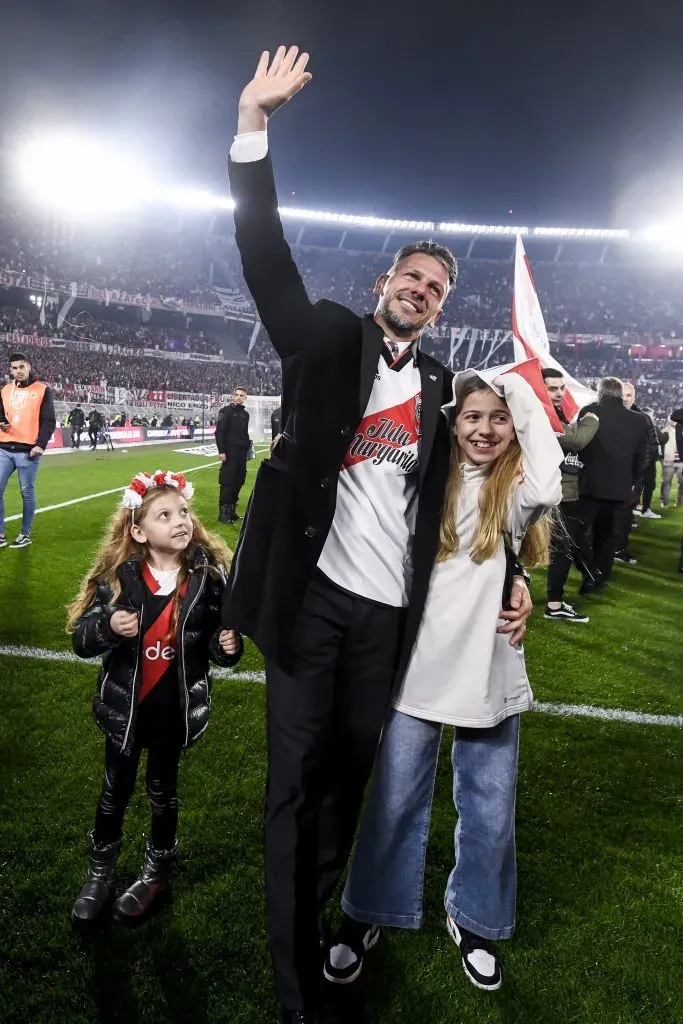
{"points": [[100, 494], [549, 708]]}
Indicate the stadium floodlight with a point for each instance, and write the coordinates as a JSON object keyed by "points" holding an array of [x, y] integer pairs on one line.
{"points": [[79, 176], [348, 220], [196, 199], [501, 230], [667, 237], [603, 234]]}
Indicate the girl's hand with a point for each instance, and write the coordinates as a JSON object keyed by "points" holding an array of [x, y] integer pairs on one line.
{"points": [[520, 610], [229, 641], [124, 623]]}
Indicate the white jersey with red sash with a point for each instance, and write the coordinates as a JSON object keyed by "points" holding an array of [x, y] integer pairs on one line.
{"points": [[367, 551]]}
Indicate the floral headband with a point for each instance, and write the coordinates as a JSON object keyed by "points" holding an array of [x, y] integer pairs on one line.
{"points": [[143, 482]]}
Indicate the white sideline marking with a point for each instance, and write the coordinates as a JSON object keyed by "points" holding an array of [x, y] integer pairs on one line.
{"points": [[100, 494], [563, 710]]}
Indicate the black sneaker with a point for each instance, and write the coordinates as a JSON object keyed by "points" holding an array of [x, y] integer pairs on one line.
{"points": [[481, 964], [22, 541], [626, 558], [564, 612], [592, 585], [344, 960], [3, 540]]}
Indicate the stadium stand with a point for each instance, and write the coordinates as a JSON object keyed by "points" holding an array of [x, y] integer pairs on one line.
{"points": [[173, 287]]}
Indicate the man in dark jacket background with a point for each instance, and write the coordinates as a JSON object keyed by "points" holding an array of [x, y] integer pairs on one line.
{"points": [[625, 515], [76, 420], [275, 425], [565, 549], [232, 441], [612, 464]]}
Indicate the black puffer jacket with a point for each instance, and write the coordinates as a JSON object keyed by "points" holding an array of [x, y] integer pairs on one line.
{"points": [[114, 704]]}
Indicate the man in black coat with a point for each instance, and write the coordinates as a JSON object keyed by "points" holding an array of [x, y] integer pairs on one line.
{"points": [[232, 441], [275, 424], [95, 427], [346, 505], [76, 421], [625, 515], [612, 463]]}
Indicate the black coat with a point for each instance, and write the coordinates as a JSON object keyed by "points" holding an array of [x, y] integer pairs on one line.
{"points": [[677, 417], [615, 458], [329, 360], [232, 428], [276, 423], [652, 444], [120, 677]]}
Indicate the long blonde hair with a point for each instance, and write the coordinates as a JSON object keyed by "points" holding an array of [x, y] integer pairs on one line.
{"points": [[120, 546], [494, 501]]}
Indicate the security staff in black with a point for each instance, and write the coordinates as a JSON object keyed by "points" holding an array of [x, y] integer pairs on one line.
{"points": [[76, 420], [232, 441]]}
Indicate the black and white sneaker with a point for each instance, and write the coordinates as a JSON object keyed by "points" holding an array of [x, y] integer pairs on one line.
{"points": [[565, 611], [344, 960], [481, 964], [21, 541], [3, 540], [626, 558]]}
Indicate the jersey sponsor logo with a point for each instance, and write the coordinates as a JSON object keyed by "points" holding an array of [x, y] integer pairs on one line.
{"points": [[155, 651], [389, 436]]}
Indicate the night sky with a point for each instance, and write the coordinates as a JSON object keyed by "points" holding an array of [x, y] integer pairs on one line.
{"points": [[564, 113]]}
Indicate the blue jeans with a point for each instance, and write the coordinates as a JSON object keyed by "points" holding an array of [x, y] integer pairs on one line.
{"points": [[27, 469], [386, 879]]}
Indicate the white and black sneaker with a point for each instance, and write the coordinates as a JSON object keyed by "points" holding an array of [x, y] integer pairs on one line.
{"points": [[566, 612], [344, 960], [21, 541], [481, 964], [3, 540]]}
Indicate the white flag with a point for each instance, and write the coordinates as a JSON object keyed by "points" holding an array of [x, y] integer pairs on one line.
{"points": [[531, 338]]}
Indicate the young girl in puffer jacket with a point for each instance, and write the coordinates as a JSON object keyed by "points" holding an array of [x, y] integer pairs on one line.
{"points": [[150, 607]]}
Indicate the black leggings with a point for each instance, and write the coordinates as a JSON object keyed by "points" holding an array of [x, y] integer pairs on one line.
{"points": [[120, 773]]}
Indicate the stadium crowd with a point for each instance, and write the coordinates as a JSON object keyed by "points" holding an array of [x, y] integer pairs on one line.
{"points": [[168, 259], [176, 339]]}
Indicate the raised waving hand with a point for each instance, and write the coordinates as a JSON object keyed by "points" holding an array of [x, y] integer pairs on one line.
{"points": [[273, 85]]}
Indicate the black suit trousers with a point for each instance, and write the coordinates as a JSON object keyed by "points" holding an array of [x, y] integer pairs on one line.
{"points": [[324, 723], [232, 474], [565, 549], [600, 520]]}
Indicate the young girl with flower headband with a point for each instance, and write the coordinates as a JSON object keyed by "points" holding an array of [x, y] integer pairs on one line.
{"points": [[504, 478], [150, 607]]}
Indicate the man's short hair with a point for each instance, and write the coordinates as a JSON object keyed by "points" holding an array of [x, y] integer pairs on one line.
{"points": [[19, 357], [234, 390], [610, 387], [436, 251], [550, 371]]}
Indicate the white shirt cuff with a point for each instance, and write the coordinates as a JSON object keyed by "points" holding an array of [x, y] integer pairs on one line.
{"points": [[249, 147]]}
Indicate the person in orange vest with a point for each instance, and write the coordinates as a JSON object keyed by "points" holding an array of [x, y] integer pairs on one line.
{"points": [[27, 422]]}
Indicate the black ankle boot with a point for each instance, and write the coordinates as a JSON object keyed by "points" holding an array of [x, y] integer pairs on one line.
{"points": [[224, 514], [234, 518], [99, 884], [151, 886]]}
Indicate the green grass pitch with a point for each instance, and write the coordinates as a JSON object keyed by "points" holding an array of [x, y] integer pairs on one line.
{"points": [[599, 822]]}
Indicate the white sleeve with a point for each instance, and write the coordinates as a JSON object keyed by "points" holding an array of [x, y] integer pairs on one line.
{"points": [[249, 147], [541, 485]]}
